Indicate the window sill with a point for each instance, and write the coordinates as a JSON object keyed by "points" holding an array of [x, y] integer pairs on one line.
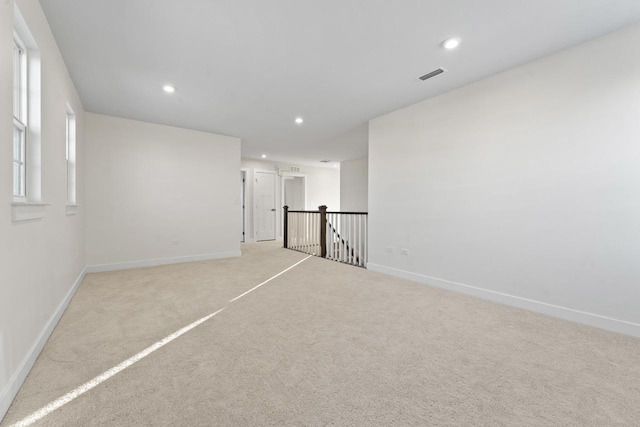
{"points": [[72, 209], [27, 211]]}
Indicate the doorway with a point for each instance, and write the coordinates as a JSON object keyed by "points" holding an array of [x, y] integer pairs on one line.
{"points": [[294, 192]]}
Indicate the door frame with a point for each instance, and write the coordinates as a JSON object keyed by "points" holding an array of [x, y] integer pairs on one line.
{"points": [[276, 200], [293, 175], [244, 173]]}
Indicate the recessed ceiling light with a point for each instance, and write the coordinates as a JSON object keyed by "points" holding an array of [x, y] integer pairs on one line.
{"points": [[451, 43], [299, 120], [169, 88], [335, 165], [264, 156]]}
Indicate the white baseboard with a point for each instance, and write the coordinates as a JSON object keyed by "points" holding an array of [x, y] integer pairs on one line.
{"points": [[590, 319], [161, 261], [9, 393]]}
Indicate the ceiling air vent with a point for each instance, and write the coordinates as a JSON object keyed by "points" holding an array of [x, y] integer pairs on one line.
{"points": [[325, 161], [433, 74]]}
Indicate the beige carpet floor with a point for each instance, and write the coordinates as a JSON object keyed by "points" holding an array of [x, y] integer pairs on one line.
{"points": [[322, 344]]}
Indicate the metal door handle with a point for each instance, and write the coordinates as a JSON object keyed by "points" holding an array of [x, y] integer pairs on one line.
{"points": [[273, 210]]}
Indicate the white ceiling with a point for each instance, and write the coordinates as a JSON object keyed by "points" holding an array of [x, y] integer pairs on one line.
{"points": [[247, 68]]}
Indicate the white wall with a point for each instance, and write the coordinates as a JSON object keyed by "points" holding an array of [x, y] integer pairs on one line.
{"points": [[41, 261], [354, 185], [157, 194], [524, 185], [323, 188]]}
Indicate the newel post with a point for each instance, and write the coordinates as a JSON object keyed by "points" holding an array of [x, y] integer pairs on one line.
{"points": [[285, 227], [323, 230]]}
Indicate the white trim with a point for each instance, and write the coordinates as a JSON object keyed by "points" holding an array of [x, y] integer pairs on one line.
{"points": [[72, 209], [160, 261], [298, 174], [247, 212], [26, 203], [26, 211], [11, 389], [590, 319]]}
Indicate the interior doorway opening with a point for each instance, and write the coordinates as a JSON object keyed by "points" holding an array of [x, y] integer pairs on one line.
{"points": [[294, 193]]}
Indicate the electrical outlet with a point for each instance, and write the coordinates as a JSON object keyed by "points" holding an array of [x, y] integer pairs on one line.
{"points": [[175, 242], [390, 249], [404, 251]]}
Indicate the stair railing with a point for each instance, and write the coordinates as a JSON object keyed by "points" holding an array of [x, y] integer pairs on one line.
{"points": [[339, 236]]}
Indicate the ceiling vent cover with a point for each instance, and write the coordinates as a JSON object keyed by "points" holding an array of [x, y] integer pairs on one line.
{"points": [[433, 74], [325, 161]]}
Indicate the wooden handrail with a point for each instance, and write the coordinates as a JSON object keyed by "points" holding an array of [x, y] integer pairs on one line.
{"points": [[347, 213], [329, 212]]}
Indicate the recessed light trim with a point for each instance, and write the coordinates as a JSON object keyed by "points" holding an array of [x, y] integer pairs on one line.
{"points": [[451, 43], [299, 120], [169, 88]]}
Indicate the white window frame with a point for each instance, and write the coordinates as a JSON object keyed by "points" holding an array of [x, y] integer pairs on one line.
{"points": [[71, 156], [20, 114], [27, 192]]}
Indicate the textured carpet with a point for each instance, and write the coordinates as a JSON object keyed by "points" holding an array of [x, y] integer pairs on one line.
{"points": [[322, 344]]}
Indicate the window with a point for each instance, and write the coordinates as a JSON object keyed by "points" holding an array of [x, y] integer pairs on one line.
{"points": [[19, 119], [71, 157], [27, 123]]}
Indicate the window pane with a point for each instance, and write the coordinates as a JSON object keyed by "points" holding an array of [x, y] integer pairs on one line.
{"points": [[17, 142], [71, 156], [16, 179], [17, 81], [68, 135], [18, 162]]}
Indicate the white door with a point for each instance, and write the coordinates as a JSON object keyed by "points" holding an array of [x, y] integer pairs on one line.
{"points": [[265, 201]]}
